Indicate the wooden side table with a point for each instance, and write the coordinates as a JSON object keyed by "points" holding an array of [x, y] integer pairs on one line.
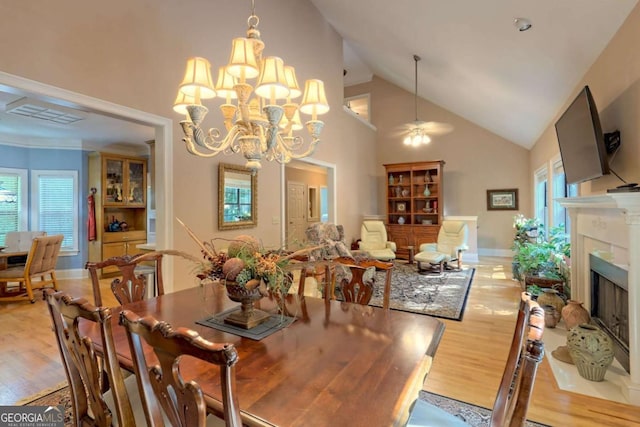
{"points": [[411, 254]]}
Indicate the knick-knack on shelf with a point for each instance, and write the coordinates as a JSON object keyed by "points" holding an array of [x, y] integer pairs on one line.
{"points": [[427, 177], [391, 180], [398, 191], [426, 192], [400, 179], [401, 220]]}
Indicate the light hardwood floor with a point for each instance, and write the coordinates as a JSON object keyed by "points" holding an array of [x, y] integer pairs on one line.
{"points": [[467, 366]]}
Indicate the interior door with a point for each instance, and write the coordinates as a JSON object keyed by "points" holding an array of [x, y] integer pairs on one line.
{"points": [[296, 214]]}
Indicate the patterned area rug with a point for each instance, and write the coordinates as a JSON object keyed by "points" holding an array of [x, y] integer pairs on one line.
{"points": [[475, 416], [439, 295]]}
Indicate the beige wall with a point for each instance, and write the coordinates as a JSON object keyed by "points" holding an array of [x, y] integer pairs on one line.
{"points": [[476, 160], [614, 80], [133, 54]]}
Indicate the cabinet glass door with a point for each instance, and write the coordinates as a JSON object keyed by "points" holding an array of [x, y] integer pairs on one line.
{"points": [[136, 183], [114, 182]]}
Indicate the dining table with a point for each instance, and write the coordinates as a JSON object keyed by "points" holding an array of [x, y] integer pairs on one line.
{"points": [[336, 364]]}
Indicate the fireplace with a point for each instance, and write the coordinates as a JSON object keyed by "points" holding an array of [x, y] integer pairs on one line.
{"points": [[608, 225], [610, 304]]}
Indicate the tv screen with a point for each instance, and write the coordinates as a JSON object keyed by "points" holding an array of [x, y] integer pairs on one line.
{"points": [[581, 140]]}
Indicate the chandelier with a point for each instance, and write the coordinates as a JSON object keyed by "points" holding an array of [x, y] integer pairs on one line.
{"points": [[256, 125]]}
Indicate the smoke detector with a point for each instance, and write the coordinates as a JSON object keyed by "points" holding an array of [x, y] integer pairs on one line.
{"points": [[522, 24], [31, 108]]}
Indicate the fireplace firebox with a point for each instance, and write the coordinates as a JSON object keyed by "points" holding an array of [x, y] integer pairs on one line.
{"points": [[610, 304]]}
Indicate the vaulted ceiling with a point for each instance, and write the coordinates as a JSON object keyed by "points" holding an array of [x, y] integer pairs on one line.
{"points": [[475, 62]]}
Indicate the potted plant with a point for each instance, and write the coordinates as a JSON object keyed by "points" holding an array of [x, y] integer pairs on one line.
{"points": [[527, 230], [544, 261]]}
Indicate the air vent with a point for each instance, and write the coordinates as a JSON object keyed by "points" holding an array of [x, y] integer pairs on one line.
{"points": [[26, 107]]}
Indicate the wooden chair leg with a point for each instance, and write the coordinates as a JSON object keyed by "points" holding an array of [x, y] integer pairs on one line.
{"points": [[441, 267], [27, 284], [54, 280]]}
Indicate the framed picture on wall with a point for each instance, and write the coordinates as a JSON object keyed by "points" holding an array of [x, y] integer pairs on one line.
{"points": [[401, 207], [502, 200]]}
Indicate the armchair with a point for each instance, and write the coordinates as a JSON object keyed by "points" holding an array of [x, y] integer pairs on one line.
{"points": [[373, 240], [452, 241]]}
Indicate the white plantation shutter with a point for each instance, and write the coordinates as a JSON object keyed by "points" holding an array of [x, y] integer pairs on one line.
{"points": [[55, 205], [13, 201]]}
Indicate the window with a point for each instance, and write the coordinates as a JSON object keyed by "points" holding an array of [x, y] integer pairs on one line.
{"points": [[237, 203], [13, 201], [561, 189], [540, 196], [54, 205]]}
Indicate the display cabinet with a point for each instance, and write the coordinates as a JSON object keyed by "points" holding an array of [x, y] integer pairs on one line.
{"points": [[415, 203], [120, 205], [124, 181]]}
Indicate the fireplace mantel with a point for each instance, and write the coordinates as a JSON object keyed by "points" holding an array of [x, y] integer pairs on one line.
{"points": [[609, 225]]}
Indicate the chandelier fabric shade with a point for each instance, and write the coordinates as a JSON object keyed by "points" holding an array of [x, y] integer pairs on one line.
{"points": [[255, 124], [197, 79]]}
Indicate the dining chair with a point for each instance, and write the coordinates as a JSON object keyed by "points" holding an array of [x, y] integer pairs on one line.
{"points": [[358, 285], [20, 241], [84, 370], [163, 390], [133, 283], [512, 400], [41, 264]]}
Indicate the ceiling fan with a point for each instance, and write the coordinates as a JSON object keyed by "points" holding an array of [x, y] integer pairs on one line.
{"points": [[419, 132]]}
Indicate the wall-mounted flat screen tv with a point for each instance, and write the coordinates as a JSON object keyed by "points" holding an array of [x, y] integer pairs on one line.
{"points": [[581, 140]]}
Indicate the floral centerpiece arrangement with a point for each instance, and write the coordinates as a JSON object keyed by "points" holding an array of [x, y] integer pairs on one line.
{"points": [[247, 263]]}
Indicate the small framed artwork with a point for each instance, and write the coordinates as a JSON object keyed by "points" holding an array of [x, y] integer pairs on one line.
{"points": [[502, 200], [401, 207]]}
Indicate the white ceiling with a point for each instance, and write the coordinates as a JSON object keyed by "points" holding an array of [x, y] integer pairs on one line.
{"points": [[475, 62], [95, 132]]}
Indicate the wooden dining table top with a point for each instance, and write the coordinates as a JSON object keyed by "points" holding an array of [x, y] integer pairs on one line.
{"points": [[338, 364]]}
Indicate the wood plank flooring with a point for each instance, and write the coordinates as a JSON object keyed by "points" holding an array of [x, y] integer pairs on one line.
{"points": [[467, 366]]}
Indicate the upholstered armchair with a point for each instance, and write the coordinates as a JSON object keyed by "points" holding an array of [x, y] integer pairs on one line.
{"points": [[373, 240], [452, 242]]}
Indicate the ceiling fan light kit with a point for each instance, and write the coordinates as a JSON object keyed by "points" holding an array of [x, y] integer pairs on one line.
{"points": [[418, 130]]}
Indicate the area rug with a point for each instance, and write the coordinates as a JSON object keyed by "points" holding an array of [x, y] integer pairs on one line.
{"points": [[439, 295], [475, 416]]}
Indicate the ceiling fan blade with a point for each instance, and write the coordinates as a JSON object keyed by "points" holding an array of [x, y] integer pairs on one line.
{"points": [[436, 128]]}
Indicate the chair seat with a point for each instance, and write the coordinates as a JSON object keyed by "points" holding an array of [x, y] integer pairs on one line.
{"points": [[425, 414], [12, 272], [381, 254], [131, 385]]}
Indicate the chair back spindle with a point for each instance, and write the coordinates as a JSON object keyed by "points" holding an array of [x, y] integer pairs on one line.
{"points": [[181, 402], [83, 367], [131, 286]]}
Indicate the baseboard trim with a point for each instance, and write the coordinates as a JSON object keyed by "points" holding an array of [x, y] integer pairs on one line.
{"points": [[504, 253]]}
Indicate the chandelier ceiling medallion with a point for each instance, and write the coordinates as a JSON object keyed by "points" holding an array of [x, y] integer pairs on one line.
{"points": [[256, 125], [418, 131]]}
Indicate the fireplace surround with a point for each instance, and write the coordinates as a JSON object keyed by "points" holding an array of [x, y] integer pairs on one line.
{"points": [[609, 226]]}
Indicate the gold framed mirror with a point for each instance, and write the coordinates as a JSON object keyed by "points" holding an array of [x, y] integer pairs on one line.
{"points": [[237, 197]]}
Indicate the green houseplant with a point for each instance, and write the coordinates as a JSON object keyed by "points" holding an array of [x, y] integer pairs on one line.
{"points": [[543, 260]]}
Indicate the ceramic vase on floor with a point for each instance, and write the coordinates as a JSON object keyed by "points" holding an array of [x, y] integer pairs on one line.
{"points": [[591, 350], [551, 297], [551, 316], [574, 314]]}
